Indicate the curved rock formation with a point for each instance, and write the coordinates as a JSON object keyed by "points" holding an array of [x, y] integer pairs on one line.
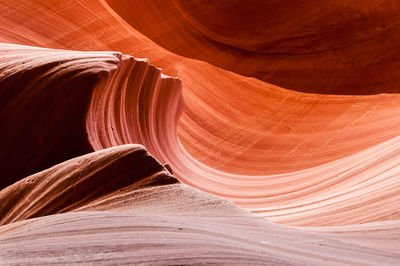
{"points": [[271, 116], [37, 87], [120, 205], [112, 237], [330, 48], [81, 181], [48, 82], [326, 166], [128, 101]]}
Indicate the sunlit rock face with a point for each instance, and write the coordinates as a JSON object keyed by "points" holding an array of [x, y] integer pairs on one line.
{"points": [[199, 132]]}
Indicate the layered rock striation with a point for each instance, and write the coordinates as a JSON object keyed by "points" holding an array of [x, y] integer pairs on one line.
{"points": [[106, 158]]}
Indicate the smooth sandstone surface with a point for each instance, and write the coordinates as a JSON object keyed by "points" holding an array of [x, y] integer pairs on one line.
{"points": [[119, 205], [317, 155], [329, 47], [274, 125]]}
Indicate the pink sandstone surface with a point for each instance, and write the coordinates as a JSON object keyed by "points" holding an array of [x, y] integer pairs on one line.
{"points": [[109, 159]]}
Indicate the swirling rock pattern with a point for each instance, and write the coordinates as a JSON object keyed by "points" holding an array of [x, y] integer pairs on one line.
{"points": [[141, 214], [324, 166], [48, 82], [288, 129], [330, 48]]}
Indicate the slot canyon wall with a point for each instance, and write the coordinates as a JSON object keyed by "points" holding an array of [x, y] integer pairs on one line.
{"points": [[186, 132]]}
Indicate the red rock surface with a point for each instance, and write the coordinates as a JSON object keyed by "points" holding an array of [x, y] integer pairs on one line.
{"points": [[333, 47], [325, 166]]}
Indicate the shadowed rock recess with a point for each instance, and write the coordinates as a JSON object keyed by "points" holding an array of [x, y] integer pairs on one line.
{"points": [[269, 137]]}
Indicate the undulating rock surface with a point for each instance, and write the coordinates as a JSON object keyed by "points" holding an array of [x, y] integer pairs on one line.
{"points": [[119, 205], [333, 47], [269, 136]]}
